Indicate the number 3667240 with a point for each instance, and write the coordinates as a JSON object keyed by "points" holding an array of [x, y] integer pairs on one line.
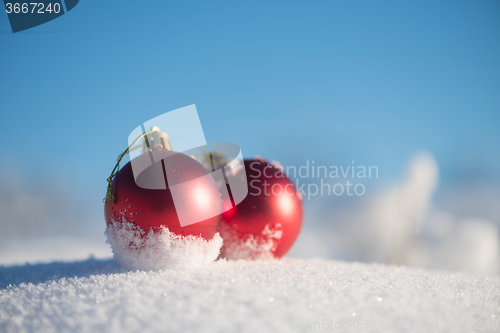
{"points": [[32, 7]]}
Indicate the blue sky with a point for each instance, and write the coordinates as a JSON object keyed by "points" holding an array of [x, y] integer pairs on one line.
{"points": [[330, 81]]}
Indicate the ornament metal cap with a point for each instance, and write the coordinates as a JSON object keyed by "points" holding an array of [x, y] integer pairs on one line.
{"points": [[156, 140]]}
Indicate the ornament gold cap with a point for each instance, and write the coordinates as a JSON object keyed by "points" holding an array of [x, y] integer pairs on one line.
{"points": [[156, 140]]}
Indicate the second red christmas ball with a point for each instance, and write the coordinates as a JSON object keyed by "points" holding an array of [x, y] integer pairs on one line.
{"points": [[268, 221]]}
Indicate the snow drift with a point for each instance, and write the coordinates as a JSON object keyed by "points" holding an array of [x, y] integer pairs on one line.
{"points": [[244, 296]]}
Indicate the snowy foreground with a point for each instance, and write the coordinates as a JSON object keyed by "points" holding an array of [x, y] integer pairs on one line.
{"points": [[245, 296]]}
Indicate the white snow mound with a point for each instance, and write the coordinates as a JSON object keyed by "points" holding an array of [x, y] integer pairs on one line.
{"points": [[159, 250], [250, 247], [245, 296]]}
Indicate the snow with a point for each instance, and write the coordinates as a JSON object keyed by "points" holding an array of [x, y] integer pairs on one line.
{"points": [[250, 247], [401, 223], [48, 249], [243, 296], [135, 249]]}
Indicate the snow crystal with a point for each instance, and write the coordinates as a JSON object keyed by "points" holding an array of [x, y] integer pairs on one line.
{"points": [[159, 250], [244, 296], [250, 247]]}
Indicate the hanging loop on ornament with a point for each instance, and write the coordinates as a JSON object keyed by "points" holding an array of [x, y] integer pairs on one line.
{"points": [[153, 139]]}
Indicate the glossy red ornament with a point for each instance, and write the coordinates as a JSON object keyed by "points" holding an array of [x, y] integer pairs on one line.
{"points": [[153, 208], [268, 221]]}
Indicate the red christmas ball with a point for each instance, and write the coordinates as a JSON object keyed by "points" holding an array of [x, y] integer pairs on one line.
{"points": [[153, 208], [268, 221]]}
